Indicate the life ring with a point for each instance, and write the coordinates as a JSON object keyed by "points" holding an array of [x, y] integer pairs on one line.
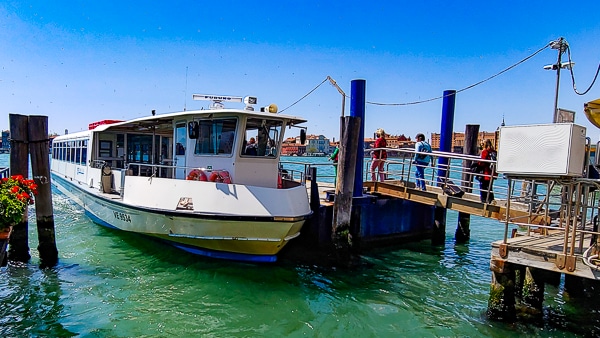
{"points": [[197, 175], [220, 176], [225, 178], [214, 176]]}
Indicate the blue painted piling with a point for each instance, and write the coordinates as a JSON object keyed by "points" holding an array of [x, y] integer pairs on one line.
{"points": [[446, 129], [357, 109]]}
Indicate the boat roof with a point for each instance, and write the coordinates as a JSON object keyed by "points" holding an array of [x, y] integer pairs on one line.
{"points": [[169, 117]]}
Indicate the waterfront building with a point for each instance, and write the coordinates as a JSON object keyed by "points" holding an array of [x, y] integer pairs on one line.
{"points": [[458, 140], [292, 148], [315, 144]]}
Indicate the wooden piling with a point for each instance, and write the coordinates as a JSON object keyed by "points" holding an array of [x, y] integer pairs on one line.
{"points": [[40, 167], [463, 228], [501, 304], [342, 209], [438, 236], [19, 165]]}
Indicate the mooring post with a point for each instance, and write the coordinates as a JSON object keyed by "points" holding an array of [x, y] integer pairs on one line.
{"points": [[342, 208], [40, 167], [463, 228], [439, 229], [314, 191], [19, 165], [357, 110]]}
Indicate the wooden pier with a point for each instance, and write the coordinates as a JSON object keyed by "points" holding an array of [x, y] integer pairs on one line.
{"points": [[550, 226]]}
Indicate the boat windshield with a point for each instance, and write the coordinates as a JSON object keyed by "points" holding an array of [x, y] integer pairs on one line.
{"points": [[215, 136], [262, 137]]}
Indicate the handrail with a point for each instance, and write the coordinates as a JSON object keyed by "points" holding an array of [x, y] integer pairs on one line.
{"points": [[4, 172]]}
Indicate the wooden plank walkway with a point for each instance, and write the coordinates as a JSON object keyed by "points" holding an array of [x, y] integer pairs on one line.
{"points": [[545, 252], [469, 203]]}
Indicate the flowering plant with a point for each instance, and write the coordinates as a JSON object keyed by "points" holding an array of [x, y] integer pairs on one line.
{"points": [[16, 193]]}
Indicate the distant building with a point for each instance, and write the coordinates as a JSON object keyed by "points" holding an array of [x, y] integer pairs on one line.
{"points": [[291, 148], [316, 144], [5, 139], [458, 140]]}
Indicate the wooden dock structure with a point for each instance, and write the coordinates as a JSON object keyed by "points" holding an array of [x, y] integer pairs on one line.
{"points": [[550, 225]]}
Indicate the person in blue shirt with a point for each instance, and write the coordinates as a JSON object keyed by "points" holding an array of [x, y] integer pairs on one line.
{"points": [[421, 160]]}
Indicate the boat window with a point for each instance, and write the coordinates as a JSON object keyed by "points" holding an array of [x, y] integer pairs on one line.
{"points": [[262, 138], [215, 136], [180, 138], [84, 153]]}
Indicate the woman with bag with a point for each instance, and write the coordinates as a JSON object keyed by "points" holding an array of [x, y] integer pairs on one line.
{"points": [[486, 181], [379, 156]]}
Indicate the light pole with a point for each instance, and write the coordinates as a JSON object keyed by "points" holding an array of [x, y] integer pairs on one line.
{"points": [[561, 45]]}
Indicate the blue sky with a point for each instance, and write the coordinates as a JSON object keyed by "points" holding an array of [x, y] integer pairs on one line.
{"points": [[83, 61]]}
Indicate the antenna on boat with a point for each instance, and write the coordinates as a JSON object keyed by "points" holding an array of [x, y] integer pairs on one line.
{"points": [[185, 91]]}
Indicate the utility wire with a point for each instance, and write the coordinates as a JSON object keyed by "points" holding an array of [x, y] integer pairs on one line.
{"points": [[573, 75], [466, 88], [435, 98], [303, 97]]}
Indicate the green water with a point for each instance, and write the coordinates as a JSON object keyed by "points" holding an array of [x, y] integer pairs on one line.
{"points": [[114, 284]]}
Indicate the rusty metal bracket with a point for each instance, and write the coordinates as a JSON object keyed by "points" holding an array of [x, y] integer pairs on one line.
{"points": [[561, 261], [571, 263], [503, 250]]}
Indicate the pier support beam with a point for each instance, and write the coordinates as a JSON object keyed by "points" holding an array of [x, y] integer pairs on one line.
{"points": [[533, 290], [501, 304], [438, 237]]}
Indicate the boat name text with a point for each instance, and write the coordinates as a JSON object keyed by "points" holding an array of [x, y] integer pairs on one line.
{"points": [[122, 216]]}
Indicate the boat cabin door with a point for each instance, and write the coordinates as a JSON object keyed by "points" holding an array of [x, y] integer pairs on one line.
{"points": [[180, 148]]}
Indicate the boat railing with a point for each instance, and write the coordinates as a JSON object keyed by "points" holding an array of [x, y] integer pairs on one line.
{"points": [[97, 164], [301, 171], [444, 169]]}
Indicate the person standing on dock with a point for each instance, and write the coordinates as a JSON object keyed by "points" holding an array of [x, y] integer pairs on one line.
{"points": [[334, 157], [487, 180], [421, 160], [379, 156]]}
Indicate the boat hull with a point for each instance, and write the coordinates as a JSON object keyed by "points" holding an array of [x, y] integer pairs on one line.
{"points": [[239, 237]]}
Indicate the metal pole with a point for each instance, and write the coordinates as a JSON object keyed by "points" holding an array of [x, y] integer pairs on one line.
{"points": [[560, 51]]}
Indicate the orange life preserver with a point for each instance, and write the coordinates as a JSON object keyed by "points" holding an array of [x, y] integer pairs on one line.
{"points": [[197, 175], [225, 178], [220, 176]]}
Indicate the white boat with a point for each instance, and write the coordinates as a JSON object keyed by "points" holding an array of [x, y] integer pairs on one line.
{"points": [[187, 178]]}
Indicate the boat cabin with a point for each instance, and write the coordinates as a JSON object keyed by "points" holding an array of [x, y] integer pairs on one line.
{"points": [[239, 146]]}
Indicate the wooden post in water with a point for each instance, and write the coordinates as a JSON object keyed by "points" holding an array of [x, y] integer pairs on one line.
{"points": [[501, 304], [463, 228], [342, 209], [40, 167], [19, 165]]}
